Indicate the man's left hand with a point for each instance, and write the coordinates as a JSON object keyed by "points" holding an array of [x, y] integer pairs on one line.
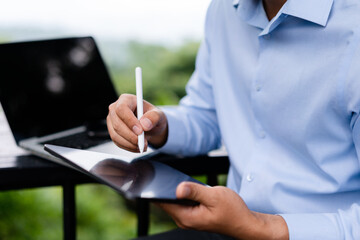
{"points": [[223, 211]]}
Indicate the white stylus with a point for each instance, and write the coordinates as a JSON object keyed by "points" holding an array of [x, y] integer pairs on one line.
{"points": [[140, 109]]}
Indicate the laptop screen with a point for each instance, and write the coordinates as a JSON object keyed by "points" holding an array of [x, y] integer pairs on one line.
{"points": [[53, 85]]}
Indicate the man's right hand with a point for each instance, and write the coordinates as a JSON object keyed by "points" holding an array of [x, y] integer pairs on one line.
{"points": [[124, 127]]}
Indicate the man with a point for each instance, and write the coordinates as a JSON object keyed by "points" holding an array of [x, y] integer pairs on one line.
{"points": [[278, 82]]}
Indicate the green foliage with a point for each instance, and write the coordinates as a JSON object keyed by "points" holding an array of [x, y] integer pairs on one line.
{"points": [[4, 39], [104, 214], [165, 71], [31, 214], [101, 214]]}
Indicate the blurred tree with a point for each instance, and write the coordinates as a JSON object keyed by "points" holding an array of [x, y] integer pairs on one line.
{"points": [[31, 214], [4, 39], [165, 71]]}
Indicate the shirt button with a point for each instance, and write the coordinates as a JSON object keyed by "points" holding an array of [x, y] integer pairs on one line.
{"points": [[249, 178], [258, 88]]}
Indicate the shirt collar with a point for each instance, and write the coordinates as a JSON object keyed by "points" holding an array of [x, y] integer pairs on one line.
{"points": [[252, 12], [316, 11]]}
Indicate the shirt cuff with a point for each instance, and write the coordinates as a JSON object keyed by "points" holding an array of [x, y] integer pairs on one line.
{"points": [[176, 131], [313, 226]]}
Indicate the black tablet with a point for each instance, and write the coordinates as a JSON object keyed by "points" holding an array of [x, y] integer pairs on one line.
{"points": [[132, 178]]}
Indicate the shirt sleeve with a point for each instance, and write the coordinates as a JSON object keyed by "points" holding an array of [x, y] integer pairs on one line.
{"points": [[344, 224], [193, 125]]}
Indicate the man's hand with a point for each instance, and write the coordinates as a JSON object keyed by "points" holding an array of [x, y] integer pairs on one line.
{"points": [[124, 127], [221, 210]]}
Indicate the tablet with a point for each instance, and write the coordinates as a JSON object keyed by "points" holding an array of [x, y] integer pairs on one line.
{"points": [[139, 178]]}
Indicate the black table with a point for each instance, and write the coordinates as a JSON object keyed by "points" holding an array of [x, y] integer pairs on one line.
{"points": [[19, 170]]}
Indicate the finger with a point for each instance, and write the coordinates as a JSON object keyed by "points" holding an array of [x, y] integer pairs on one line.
{"points": [[120, 141], [164, 205], [124, 109], [146, 145], [171, 209], [183, 216], [147, 106], [122, 129], [194, 191], [150, 119]]}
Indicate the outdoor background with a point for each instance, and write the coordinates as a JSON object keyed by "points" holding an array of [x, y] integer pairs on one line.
{"points": [[161, 36]]}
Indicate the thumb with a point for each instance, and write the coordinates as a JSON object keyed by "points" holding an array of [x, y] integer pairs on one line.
{"points": [[193, 191], [150, 119]]}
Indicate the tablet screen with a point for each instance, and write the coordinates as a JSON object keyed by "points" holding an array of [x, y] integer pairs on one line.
{"points": [[133, 178]]}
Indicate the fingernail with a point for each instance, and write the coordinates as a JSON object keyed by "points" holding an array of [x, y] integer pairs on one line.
{"points": [[146, 123], [186, 191], [136, 130]]}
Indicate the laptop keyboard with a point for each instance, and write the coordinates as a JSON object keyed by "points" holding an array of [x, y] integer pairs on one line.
{"points": [[78, 140]]}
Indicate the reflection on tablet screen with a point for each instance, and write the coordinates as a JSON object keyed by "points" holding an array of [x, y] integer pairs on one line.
{"points": [[128, 177]]}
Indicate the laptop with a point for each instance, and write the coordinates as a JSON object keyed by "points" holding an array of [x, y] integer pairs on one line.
{"points": [[57, 92], [133, 178]]}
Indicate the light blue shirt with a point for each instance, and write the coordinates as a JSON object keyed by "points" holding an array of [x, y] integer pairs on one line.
{"points": [[284, 98]]}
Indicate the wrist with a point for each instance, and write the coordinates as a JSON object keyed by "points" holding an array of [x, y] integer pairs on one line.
{"points": [[270, 227]]}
